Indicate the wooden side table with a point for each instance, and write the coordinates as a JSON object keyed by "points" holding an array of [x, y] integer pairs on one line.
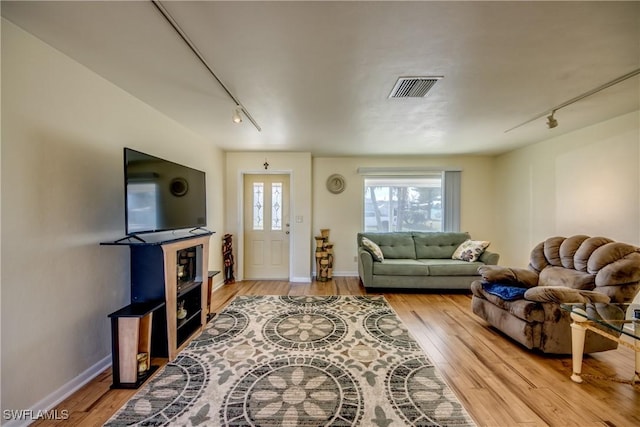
{"points": [[130, 336]]}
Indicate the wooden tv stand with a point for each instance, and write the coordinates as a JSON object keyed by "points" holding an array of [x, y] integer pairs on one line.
{"points": [[172, 269]]}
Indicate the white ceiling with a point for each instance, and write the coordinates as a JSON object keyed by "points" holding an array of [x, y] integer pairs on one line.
{"points": [[316, 75]]}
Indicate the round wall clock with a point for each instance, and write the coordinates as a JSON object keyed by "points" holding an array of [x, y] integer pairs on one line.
{"points": [[336, 183], [179, 186]]}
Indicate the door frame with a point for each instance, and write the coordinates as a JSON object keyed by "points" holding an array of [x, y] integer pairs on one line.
{"points": [[240, 219]]}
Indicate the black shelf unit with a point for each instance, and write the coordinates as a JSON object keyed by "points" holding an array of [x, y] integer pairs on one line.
{"points": [[190, 295]]}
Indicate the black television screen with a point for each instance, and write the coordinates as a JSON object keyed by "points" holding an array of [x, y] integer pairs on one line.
{"points": [[161, 195]]}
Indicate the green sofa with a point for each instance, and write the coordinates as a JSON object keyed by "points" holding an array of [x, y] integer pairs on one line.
{"points": [[418, 260]]}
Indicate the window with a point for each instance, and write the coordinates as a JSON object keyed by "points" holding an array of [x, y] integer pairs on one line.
{"points": [[276, 205], [142, 203], [428, 202], [258, 205]]}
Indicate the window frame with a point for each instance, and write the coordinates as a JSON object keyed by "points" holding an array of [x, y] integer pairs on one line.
{"points": [[450, 185]]}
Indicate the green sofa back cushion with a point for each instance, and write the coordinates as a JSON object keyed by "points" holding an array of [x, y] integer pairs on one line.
{"points": [[393, 245], [437, 245]]}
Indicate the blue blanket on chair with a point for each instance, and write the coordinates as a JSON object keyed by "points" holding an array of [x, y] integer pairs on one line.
{"points": [[505, 292]]}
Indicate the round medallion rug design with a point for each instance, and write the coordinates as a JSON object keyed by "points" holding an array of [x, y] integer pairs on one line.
{"points": [[303, 330], [418, 393], [386, 327], [166, 398], [294, 391], [223, 327]]}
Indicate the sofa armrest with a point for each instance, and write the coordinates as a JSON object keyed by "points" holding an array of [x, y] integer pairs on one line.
{"points": [[520, 277], [489, 258], [563, 294], [365, 267]]}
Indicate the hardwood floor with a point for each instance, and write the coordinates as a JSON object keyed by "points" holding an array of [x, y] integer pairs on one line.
{"points": [[499, 382]]}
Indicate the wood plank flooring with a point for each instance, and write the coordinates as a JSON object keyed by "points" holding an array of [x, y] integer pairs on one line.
{"points": [[499, 382]]}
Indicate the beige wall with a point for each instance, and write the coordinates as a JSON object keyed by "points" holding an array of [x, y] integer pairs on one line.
{"points": [[298, 166], [583, 182], [343, 213], [62, 194]]}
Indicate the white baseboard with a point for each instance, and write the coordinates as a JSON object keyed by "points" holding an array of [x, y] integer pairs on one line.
{"points": [[217, 285], [342, 273], [345, 273], [55, 398], [300, 279]]}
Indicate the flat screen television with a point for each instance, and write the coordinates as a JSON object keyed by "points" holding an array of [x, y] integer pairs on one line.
{"points": [[161, 195]]}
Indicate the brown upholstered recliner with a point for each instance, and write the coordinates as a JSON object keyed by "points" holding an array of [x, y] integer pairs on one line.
{"points": [[525, 303]]}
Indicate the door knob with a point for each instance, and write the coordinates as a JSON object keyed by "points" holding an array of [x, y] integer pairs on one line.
{"points": [[286, 232]]}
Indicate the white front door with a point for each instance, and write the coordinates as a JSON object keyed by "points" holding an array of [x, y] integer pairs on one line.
{"points": [[266, 227]]}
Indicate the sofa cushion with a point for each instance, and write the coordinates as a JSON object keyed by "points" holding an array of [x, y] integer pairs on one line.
{"points": [[568, 250], [373, 249], [588, 246], [437, 245], [560, 276], [470, 250], [451, 267], [400, 267], [394, 245]]}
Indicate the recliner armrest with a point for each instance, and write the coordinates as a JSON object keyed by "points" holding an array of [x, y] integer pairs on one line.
{"points": [[521, 277], [564, 295]]}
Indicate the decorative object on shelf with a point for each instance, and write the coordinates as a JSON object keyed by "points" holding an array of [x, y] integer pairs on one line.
{"points": [[265, 164], [182, 312], [186, 265], [227, 255], [143, 363], [336, 183], [324, 256]]}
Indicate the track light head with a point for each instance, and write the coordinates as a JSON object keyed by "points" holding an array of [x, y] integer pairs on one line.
{"points": [[551, 121], [237, 117]]}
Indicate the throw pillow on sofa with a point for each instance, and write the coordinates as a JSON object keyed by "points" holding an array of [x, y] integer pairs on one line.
{"points": [[373, 249], [470, 250]]}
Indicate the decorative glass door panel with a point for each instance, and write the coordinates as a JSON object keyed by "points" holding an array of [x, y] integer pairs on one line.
{"points": [[266, 225]]}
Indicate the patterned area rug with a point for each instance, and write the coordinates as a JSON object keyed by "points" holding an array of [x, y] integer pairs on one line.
{"points": [[299, 361]]}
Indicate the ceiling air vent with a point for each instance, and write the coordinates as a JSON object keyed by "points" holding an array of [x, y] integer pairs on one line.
{"points": [[413, 87]]}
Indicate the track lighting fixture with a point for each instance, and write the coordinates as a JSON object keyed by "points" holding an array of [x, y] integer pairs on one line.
{"points": [[551, 121], [237, 117]]}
